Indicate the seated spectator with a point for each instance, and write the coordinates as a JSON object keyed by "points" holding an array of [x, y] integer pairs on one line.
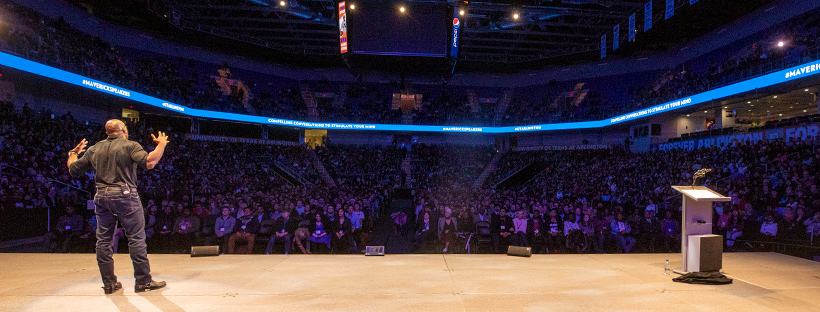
{"points": [[813, 226], [522, 226], [555, 236], [150, 219], [575, 239], [650, 228], [163, 230], [283, 230], [69, 226], [200, 211], [789, 227], [734, 228], [185, 229], [587, 227], [246, 228], [223, 227], [318, 230], [342, 233], [769, 227], [465, 219], [482, 215], [622, 233], [425, 231], [603, 234], [538, 227], [671, 231], [500, 228], [447, 229]]}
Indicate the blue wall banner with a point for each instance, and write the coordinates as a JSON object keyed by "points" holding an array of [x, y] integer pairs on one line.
{"points": [[789, 74], [616, 36], [788, 134], [647, 16], [670, 9], [632, 28]]}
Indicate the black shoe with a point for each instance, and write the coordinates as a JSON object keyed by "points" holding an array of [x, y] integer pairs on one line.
{"points": [[110, 289], [149, 286]]}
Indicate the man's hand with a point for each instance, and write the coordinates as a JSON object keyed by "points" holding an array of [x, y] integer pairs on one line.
{"points": [[80, 147], [160, 139], [155, 155]]}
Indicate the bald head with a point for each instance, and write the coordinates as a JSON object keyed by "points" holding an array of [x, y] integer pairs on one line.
{"points": [[115, 127]]}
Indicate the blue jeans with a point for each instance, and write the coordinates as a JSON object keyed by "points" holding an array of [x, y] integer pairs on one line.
{"points": [[624, 243], [287, 241], [112, 205]]}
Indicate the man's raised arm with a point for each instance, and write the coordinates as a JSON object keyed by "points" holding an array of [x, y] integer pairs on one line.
{"points": [[155, 155]]}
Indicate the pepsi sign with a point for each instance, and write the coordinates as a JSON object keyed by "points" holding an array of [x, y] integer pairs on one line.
{"points": [[456, 33]]}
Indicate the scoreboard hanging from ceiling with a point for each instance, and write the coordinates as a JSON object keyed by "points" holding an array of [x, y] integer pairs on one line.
{"points": [[389, 28]]}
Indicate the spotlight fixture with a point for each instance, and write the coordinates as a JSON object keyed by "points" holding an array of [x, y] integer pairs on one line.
{"points": [[401, 9], [515, 16], [461, 12], [282, 3], [352, 6], [780, 44]]}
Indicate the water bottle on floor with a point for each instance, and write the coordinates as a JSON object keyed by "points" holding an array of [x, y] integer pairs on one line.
{"points": [[666, 268]]}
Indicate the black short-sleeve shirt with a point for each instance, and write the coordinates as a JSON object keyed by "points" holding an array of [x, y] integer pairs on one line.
{"points": [[114, 161]]}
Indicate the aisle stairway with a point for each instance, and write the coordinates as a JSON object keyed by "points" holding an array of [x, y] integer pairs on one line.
{"points": [[407, 168], [310, 102], [320, 168], [501, 108], [491, 167]]}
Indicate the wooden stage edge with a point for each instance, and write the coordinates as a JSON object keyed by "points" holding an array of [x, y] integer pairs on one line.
{"points": [[430, 282]]}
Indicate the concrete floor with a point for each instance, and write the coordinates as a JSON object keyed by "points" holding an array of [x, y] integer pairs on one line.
{"points": [[70, 282]]}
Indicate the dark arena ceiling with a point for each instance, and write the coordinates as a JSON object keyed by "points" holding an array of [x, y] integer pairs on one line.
{"points": [[545, 32]]}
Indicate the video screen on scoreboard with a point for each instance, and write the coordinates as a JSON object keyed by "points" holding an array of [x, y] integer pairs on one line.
{"points": [[381, 28]]}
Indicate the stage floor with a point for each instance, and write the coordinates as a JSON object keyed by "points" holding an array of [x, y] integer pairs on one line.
{"points": [[70, 282]]}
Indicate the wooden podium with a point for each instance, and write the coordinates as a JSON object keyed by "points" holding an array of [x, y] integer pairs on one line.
{"points": [[696, 221]]}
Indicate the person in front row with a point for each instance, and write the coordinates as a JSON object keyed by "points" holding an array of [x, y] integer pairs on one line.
{"points": [[501, 228], [318, 230], [521, 226], [69, 226], [538, 231], [246, 229], [283, 229], [223, 227], [426, 230], [621, 231], [447, 229], [342, 233]]}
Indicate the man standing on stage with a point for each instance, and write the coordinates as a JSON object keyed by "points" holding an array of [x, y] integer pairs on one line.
{"points": [[115, 161]]}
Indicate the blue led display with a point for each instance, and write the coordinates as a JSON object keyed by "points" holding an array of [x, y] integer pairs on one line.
{"points": [[790, 74]]}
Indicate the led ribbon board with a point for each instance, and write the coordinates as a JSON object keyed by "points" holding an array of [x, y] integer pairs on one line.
{"points": [[785, 75]]}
